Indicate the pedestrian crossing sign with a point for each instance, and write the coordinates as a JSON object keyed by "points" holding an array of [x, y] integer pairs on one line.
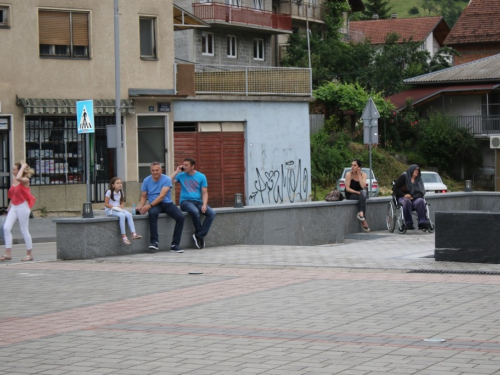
{"points": [[85, 116]]}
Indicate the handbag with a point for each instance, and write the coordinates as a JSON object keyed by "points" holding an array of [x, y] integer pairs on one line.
{"points": [[334, 196]]}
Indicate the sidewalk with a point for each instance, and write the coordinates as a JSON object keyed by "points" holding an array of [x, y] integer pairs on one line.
{"points": [[349, 308]]}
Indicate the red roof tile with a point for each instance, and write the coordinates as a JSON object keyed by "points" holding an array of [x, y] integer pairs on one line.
{"points": [[478, 23], [416, 28]]}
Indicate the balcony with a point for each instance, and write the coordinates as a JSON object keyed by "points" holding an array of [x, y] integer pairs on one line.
{"points": [[216, 12], [302, 10], [248, 80], [479, 125]]}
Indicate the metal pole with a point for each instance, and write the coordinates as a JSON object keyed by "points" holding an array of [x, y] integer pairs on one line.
{"points": [[120, 156], [309, 53], [87, 158]]}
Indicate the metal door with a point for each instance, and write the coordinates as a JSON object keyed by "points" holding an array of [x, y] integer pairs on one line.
{"points": [[4, 162]]}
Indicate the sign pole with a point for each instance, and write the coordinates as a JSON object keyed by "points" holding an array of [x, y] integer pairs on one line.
{"points": [[85, 123], [120, 156], [370, 120], [87, 160]]}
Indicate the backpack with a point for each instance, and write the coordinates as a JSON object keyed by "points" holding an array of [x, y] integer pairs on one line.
{"points": [[334, 196]]}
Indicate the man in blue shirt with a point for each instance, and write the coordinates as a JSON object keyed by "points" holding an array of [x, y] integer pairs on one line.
{"points": [[156, 189], [194, 198]]}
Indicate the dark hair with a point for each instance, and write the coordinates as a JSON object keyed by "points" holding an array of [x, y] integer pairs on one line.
{"points": [[358, 162], [191, 161], [112, 189]]}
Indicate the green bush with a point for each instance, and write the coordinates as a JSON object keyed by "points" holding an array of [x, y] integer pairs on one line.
{"points": [[413, 11]]}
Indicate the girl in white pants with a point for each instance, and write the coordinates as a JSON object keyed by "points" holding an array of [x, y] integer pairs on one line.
{"points": [[113, 202], [21, 202]]}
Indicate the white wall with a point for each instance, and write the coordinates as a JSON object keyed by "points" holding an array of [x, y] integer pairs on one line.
{"points": [[277, 147]]}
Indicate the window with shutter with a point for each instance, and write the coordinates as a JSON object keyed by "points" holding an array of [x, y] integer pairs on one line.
{"points": [[63, 34]]}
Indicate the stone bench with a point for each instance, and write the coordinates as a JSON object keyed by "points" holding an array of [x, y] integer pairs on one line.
{"points": [[467, 236]]}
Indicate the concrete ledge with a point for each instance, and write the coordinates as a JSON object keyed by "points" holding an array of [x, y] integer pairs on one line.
{"points": [[467, 236], [296, 224]]}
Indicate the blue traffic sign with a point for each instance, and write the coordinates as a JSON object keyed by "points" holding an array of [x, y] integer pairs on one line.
{"points": [[85, 116]]}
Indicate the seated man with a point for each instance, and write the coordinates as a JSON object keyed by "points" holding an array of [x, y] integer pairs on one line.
{"points": [[194, 198], [410, 191], [156, 189]]}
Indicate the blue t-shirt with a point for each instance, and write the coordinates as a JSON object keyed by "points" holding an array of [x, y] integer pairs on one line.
{"points": [[191, 185], [153, 188]]}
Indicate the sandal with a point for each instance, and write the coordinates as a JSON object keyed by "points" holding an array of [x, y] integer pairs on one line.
{"points": [[4, 258], [136, 236], [27, 258], [360, 217], [126, 241]]}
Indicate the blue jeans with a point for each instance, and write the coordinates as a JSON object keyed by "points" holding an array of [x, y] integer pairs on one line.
{"points": [[417, 205], [171, 210], [122, 216], [193, 208]]}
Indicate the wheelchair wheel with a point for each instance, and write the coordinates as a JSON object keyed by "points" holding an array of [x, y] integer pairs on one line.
{"points": [[390, 217], [400, 223], [431, 227]]}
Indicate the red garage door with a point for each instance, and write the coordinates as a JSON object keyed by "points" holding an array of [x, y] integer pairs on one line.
{"points": [[218, 155]]}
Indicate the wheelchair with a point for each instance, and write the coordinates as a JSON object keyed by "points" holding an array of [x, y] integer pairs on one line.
{"points": [[395, 218]]}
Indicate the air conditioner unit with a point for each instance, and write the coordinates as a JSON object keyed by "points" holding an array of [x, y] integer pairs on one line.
{"points": [[495, 141]]}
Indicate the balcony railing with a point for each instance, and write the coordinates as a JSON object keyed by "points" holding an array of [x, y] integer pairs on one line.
{"points": [[247, 80], [479, 124], [242, 15], [305, 10]]}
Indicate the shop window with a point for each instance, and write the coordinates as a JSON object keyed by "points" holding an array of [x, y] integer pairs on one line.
{"points": [[207, 43], [147, 26], [63, 34], [4, 16], [55, 150]]}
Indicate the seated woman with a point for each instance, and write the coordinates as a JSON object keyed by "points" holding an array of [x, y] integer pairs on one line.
{"points": [[355, 183], [410, 191]]}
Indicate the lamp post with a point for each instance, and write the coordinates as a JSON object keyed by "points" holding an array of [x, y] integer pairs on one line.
{"points": [[120, 154]]}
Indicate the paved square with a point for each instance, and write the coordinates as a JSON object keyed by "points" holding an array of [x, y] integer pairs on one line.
{"points": [[334, 309]]}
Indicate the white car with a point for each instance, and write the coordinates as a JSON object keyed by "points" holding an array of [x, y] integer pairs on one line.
{"points": [[373, 181], [433, 183]]}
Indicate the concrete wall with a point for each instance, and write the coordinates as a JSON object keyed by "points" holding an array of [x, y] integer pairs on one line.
{"points": [[299, 224], [277, 150]]}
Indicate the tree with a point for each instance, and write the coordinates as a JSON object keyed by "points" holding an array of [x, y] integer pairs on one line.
{"points": [[379, 7], [338, 98], [450, 12]]}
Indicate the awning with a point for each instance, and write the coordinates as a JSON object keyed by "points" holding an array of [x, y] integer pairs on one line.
{"points": [[420, 95], [184, 20], [63, 106]]}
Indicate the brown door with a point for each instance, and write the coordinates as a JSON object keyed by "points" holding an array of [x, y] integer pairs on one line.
{"points": [[218, 155]]}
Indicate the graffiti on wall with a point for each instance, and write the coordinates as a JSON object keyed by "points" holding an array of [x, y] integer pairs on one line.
{"points": [[287, 183]]}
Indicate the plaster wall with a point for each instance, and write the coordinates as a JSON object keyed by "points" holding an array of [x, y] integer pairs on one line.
{"points": [[277, 148]]}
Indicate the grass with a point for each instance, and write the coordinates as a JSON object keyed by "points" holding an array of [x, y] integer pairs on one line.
{"points": [[387, 167], [401, 7]]}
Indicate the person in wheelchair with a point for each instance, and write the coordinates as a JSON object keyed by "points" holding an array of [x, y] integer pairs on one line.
{"points": [[410, 191]]}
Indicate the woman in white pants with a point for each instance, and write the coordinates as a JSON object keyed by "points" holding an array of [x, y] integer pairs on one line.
{"points": [[21, 202]]}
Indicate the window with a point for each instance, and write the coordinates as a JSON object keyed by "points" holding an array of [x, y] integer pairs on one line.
{"points": [[234, 3], [258, 49], [258, 4], [55, 150], [4, 16], [63, 34], [232, 47], [147, 26], [207, 43]]}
